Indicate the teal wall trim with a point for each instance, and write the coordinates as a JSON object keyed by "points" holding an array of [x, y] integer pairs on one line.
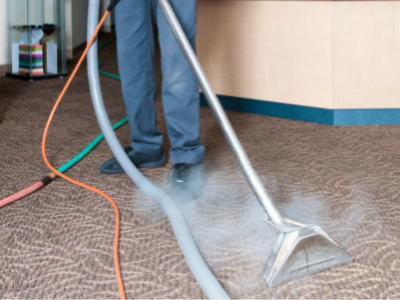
{"points": [[337, 117], [357, 117]]}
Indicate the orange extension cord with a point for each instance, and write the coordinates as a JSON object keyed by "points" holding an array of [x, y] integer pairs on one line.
{"points": [[117, 219]]}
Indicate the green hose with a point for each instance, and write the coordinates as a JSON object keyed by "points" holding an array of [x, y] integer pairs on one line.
{"points": [[93, 144], [89, 148]]}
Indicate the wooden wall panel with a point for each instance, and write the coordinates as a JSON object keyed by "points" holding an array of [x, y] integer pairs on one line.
{"points": [[366, 54], [278, 51]]}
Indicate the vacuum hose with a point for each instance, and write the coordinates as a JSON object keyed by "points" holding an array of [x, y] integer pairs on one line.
{"points": [[206, 280]]}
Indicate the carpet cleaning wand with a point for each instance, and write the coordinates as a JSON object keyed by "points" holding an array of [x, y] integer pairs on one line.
{"points": [[301, 250]]}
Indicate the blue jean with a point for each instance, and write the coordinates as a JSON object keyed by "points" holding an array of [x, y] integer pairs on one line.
{"points": [[180, 91]]}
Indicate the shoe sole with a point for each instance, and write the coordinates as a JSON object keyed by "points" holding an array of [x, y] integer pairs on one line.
{"points": [[149, 165], [182, 196]]}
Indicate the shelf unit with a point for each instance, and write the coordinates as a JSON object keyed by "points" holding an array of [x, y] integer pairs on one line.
{"points": [[36, 39]]}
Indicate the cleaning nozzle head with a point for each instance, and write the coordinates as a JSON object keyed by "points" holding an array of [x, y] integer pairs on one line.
{"points": [[303, 252]]}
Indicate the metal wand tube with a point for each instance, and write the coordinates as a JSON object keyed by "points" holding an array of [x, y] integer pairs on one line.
{"points": [[241, 156]]}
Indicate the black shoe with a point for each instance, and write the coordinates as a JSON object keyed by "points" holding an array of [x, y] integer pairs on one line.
{"points": [[187, 182], [140, 160]]}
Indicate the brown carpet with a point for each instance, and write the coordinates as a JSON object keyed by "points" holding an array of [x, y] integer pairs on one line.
{"points": [[57, 243]]}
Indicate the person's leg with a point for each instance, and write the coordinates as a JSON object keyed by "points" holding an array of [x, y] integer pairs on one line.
{"points": [[180, 90], [135, 49]]}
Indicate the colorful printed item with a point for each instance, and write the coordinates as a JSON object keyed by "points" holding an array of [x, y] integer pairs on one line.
{"points": [[31, 60]]}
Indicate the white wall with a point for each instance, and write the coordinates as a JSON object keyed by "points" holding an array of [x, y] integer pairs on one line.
{"points": [[68, 24], [3, 32], [110, 21], [76, 12], [75, 22], [79, 21]]}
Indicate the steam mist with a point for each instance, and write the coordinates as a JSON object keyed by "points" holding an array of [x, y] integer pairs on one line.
{"points": [[228, 225]]}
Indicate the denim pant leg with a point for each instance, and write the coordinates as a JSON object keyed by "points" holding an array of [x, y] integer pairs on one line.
{"points": [[135, 49], [180, 90]]}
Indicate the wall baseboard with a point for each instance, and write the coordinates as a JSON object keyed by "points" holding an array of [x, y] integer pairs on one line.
{"points": [[72, 53], [333, 117], [108, 28], [3, 70]]}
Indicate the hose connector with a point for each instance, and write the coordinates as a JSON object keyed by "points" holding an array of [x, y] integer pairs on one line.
{"points": [[112, 5], [49, 178]]}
